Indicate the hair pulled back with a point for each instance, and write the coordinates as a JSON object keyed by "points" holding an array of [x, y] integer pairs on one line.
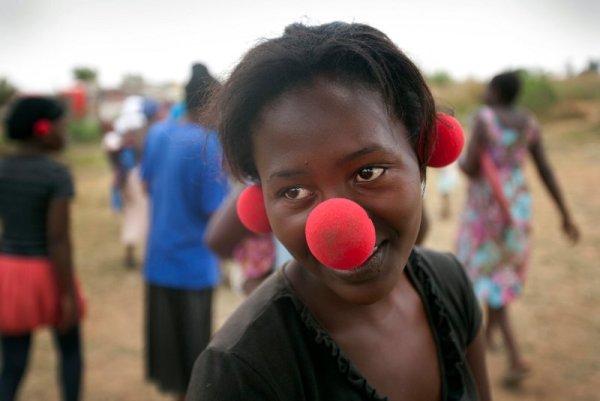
{"points": [[24, 113], [350, 52], [507, 86]]}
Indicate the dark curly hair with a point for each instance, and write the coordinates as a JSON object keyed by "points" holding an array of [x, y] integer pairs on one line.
{"points": [[347, 52], [26, 111], [507, 86], [199, 87]]}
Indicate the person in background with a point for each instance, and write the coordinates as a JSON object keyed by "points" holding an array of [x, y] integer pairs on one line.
{"points": [[494, 230], [181, 169], [124, 148], [38, 287], [337, 112], [256, 255], [447, 181]]}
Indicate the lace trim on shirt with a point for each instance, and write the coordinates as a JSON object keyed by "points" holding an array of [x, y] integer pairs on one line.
{"points": [[451, 359], [344, 365]]}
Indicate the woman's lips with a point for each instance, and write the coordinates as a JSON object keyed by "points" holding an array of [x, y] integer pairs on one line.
{"points": [[369, 269]]}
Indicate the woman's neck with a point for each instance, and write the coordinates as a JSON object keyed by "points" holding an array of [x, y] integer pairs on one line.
{"points": [[29, 149], [336, 313], [502, 106]]}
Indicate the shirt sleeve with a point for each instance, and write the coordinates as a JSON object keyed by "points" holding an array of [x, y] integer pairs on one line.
{"points": [[63, 187], [458, 294], [209, 181], [471, 311], [223, 376]]}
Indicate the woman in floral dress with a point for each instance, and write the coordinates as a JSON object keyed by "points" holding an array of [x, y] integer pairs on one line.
{"points": [[494, 234]]}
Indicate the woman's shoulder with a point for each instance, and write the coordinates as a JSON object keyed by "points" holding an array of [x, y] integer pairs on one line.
{"points": [[261, 318], [445, 280], [44, 166], [59, 169], [484, 112], [444, 267]]}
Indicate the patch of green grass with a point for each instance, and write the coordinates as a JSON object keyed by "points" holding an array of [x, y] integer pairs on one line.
{"points": [[85, 130]]}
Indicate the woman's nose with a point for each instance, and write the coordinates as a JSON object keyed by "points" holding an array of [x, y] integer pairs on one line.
{"points": [[340, 234]]}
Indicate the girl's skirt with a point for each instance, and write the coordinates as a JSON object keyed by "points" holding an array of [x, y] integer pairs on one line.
{"points": [[29, 295]]}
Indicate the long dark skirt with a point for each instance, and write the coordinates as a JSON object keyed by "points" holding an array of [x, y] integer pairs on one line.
{"points": [[178, 328]]}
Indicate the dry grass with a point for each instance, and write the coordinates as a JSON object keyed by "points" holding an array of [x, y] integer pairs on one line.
{"points": [[557, 320]]}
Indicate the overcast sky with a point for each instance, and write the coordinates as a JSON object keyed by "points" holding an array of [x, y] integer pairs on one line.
{"points": [[42, 40]]}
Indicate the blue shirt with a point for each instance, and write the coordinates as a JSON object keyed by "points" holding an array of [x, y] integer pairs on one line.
{"points": [[181, 166]]}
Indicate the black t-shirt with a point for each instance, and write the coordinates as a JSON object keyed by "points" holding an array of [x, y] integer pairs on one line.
{"points": [[272, 347], [27, 185]]}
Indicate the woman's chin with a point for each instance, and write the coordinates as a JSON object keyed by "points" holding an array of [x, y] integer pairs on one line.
{"points": [[371, 281]]}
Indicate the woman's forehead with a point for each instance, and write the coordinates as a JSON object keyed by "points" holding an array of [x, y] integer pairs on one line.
{"points": [[318, 98], [324, 120]]}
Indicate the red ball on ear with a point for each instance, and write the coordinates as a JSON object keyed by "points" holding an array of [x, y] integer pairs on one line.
{"points": [[251, 210], [340, 234], [449, 143], [42, 127]]}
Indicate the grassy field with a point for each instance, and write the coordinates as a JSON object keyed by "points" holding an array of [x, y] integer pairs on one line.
{"points": [[557, 319]]}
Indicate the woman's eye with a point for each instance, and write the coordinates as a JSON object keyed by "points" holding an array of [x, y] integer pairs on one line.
{"points": [[296, 193], [369, 174]]}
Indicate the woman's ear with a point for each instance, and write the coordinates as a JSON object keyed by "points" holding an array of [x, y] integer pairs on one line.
{"points": [[449, 141], [42, 128], [251, 210]]}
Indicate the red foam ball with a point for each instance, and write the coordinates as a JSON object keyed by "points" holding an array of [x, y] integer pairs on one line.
{"points": [[449, 143], [340, 234], [251, 210]]}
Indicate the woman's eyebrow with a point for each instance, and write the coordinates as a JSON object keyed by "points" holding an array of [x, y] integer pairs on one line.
{"points": [[286, 174], [360, 153]]}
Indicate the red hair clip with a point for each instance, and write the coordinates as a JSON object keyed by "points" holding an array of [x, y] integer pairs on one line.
{"points": [[42, 127]]}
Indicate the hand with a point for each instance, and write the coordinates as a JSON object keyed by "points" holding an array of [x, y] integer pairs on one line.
{"points": [[68, 312], [571, 230]]}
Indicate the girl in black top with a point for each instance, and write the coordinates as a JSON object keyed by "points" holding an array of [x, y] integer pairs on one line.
{"points": [[338, 111], [37, 285]]}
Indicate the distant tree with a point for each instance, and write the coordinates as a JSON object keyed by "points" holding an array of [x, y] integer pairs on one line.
{"points": [[569, 69], [593, 67], [7, 91], [441, 78], [88, 78], [538, 92], [85, 74]]}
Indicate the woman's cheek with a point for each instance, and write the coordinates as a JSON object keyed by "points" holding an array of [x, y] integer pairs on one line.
{"points": [[288, 226]]}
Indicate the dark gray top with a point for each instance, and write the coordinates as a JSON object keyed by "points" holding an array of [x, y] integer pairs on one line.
{"points": [[27, 185], [272, 348]]}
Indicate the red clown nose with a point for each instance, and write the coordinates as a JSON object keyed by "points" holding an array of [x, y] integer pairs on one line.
{"points": [[449, 143], [340, 234], [251, 210]]}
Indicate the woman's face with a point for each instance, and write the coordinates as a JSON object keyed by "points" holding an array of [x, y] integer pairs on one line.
{"points": [[330, 140]]}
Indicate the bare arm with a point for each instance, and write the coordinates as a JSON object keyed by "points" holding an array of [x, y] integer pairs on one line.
{"points": [[225, 230], [490, 173], [470, 162], [476, 360], [547, 176], [60, 254]]}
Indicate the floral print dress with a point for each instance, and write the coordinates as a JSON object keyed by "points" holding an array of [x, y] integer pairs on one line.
{"points": [[494, 253]]}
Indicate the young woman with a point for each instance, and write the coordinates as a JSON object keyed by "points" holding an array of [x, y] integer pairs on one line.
{"points": [[494, 232], [37, 281], [337, 111]]}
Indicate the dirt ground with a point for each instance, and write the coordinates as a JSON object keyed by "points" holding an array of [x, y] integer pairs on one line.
{"points": [[557, 320]]}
